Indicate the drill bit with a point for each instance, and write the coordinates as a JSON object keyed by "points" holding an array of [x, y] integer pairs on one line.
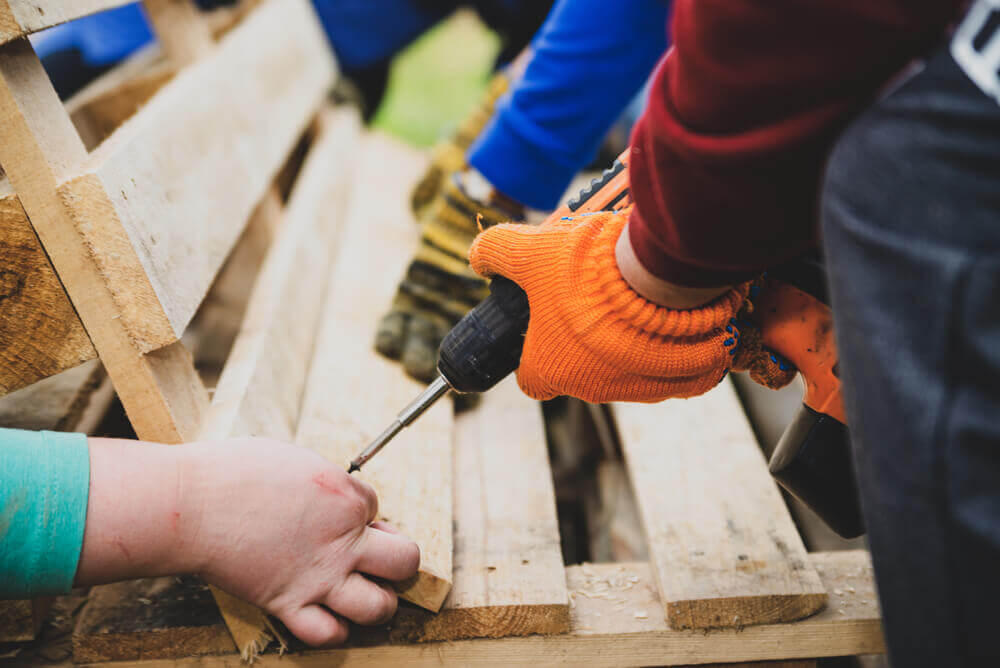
{"points": [[434, 391]]}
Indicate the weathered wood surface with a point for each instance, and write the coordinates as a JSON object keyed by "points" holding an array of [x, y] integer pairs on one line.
{"points": [[353, 392], [615, 620], [39, 149], [724, 548], [19, 18], [260, 391], [40, 333], [509, 578], [162, 201]]}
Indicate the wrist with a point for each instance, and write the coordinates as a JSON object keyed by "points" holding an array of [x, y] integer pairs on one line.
{"points": [[654, 288], [137, 523]]}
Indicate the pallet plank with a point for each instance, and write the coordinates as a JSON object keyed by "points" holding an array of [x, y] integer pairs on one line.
{"points": [[722, 544], [39, 148], [614, 615], [180, 178], [353, 392], [261, 387], [19, 18], [40, 332], [509, 577]]}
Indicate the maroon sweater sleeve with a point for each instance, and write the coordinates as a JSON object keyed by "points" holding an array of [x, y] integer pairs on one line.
{"points": [[726, 161]]}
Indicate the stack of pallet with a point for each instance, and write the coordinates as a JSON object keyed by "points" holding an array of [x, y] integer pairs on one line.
{"points": [[206, 149]]}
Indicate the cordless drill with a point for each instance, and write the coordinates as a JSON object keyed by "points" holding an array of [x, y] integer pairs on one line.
{"points": [[812, 460]]}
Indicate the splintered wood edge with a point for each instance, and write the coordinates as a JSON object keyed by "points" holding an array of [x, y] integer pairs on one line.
{"points": [[426, 589], [110, 249], [743, 610]]}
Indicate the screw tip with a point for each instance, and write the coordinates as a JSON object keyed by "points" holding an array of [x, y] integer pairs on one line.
{"points": [[352, 468]]}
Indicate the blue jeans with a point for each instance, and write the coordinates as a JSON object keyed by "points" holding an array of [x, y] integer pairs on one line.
{"points": [[911, 221]]}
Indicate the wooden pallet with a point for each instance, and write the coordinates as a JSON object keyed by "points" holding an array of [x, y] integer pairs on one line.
{"points": [[123, 224], [724, 554]]}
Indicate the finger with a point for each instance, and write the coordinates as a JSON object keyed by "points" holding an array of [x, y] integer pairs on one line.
{"points": [[391, 334], [386, 527], [420, 350], [367, 505], [499, 251], [316, 626], [388, 555], [363, 601]]}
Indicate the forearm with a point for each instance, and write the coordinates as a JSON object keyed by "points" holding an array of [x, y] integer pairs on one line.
{"points": [[590, 58], [137, 524], [727, 160]]}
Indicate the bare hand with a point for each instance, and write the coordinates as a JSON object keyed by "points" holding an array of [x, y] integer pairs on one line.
{"points": [[274, 524]]}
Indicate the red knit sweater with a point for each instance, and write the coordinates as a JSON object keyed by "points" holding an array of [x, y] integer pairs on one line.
{"points": [[727, 160]]}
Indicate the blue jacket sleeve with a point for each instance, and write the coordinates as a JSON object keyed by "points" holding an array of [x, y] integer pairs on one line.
{"points": [[590, 59], [44, 487]]}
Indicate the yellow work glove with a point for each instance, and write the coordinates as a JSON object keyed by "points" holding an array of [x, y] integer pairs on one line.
{"points": [[448, 156], [439, 287]]}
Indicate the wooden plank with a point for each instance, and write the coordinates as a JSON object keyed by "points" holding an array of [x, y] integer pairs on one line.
{"points": [[104, 104], [162, 201], [615, 529], [721, 541], [39, 148], [19, 18], [614, 621], [40, 333], [509, 578], [353, 392], [74, 400], [260, 391], [180, 29]]}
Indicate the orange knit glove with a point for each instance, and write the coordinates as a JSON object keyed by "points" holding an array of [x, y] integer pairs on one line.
{"points": [[592, 336]]}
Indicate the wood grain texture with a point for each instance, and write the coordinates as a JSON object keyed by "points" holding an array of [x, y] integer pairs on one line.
{"points": [[353, 392], [182, 176], [40, 148], [40, 333], [19, 18], [509, 578], [614, 620], [260, 390], [721, 541]]}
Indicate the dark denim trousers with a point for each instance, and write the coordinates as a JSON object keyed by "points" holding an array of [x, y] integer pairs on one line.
{"points": [[911, 220]]}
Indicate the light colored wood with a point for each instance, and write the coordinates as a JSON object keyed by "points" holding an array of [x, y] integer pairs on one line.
{"points": [[40, 333], [353, 392], [104, 104], [170, 191], [509, 578], [182, 31], [260, 391], [615, 621], [74, 400], [39, 148], [19, 18], [721, 541]]}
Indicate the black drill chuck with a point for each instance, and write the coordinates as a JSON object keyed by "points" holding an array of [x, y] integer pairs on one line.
{"points": [[485, 346]]}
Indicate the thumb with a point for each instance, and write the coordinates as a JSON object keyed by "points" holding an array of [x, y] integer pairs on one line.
{"points": [[503, 250]]}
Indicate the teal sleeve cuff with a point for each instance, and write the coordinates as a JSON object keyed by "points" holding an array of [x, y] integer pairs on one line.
{"points": [[44, 485]]}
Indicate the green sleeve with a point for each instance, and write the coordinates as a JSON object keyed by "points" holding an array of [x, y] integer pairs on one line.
{"points": [[44, 485]]}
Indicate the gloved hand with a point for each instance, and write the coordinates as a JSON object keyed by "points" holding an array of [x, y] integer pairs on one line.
{"points": [[448, 155], [439, 288], [591, 336]]}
